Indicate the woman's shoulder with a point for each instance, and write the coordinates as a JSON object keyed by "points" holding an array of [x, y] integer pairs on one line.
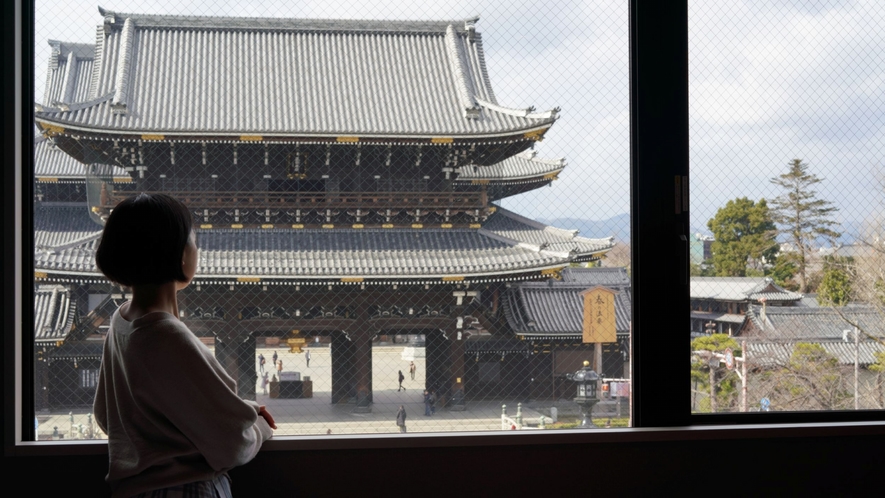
{"points": [[162, 328]]}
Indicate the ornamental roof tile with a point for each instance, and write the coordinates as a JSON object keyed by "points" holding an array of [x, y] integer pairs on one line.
{"points": [[290, 77]]}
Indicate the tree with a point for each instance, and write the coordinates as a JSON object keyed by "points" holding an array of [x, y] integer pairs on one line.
{"points": [[811, 380], [744, 233], [835, 287], [801, 216], [720, 383]]}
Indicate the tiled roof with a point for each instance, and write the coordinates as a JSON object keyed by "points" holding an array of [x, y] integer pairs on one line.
{"points": [[522, 166], [543, 237], [59, 227], [793, 323], [53, 313], [340, 253], [234, 76], [590, 277], [740, 289], [69, 73], [774, 354], [719, 317], [558, 308]]}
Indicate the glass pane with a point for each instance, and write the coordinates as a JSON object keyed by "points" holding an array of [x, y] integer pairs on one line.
{"points": [[379, 222], [788, 203]]}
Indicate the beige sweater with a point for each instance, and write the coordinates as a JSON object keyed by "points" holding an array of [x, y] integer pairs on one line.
{"points": [[169, 409]]}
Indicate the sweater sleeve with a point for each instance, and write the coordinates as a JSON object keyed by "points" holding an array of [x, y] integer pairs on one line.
{"points": [[187, 386]]}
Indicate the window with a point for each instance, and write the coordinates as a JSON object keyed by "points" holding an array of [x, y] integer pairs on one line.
{"points": [[788, 192], [650, 171]]}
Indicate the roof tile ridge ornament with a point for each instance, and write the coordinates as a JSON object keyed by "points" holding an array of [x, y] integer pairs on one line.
{"points": [[532, 155], [528, 112], [459, 71], [148, 21], [124, 65], [97, 62]]}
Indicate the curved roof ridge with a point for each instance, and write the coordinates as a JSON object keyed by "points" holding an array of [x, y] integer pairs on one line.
{"points": [[71, 244], [112, 18], [528, 112], [459, 71], [64, 107]]}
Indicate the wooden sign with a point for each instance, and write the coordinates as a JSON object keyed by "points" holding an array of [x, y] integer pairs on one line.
{"points": [[599, 315]]}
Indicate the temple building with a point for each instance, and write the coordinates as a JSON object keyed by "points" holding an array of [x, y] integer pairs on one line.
{"points": [[343, 177], [549, 318]]}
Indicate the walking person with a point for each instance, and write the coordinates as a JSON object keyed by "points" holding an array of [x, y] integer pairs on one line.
{"points": [[412, 369], [426, 403], [401, 419], [307, 357], [280, 369], [401, 378], [275, 358], [261, 362], [264, 382], [433, 402]]}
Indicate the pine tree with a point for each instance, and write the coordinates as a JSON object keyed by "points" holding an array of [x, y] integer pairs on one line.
{"points": [[801, 216]]}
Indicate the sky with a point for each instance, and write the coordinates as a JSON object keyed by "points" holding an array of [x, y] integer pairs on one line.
{"points": [[770, 81]]}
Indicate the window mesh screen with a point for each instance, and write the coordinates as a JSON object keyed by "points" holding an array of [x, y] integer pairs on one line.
{"points": [[379, 222], [788, 196]]}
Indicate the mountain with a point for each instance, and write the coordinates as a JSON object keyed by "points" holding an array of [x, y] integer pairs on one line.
{"points": [[616, 226]]}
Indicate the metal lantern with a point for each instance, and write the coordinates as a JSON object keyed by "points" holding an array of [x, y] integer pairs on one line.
{"points": [[587, 380]]}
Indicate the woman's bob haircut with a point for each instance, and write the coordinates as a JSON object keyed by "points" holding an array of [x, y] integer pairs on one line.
{"points": [[144, 240]]}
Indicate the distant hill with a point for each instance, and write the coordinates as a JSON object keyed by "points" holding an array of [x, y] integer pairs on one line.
{"points": [[851, 233], [617, 227]]}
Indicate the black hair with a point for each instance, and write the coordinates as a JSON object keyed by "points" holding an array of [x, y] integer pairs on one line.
{"points": [[144, 240]]}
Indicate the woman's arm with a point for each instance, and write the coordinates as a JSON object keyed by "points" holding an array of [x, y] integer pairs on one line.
{"points": [[187, 386]]}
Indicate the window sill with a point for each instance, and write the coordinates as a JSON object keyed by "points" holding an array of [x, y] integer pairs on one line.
{"points": [[468, 439]]}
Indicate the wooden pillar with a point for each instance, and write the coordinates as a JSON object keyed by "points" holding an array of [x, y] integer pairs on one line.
{"points": [[362, 358], [342, 350], [457, 370]]}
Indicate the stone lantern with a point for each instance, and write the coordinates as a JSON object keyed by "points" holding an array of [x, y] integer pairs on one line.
{"points": [[586, 379]]}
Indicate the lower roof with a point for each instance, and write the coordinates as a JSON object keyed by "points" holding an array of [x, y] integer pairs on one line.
{"points": [[507, 246]]}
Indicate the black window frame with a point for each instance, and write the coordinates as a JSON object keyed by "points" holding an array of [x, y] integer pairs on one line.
{"points": [[659, 225]]}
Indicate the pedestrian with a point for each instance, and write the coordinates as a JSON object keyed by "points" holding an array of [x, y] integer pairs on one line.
{"points": [[264, 382], [165, 435], [307, 357], [412, 369], [401, 378], [280, 369], [275, 357], [433, 402], [261, 362], [401, 419], [426, 403]]}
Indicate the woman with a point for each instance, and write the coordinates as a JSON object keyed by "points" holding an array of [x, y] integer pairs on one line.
{"points": [[174, 422]]}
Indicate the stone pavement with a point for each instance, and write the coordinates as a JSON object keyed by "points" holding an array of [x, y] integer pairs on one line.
{"points": [[316, 416]]}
